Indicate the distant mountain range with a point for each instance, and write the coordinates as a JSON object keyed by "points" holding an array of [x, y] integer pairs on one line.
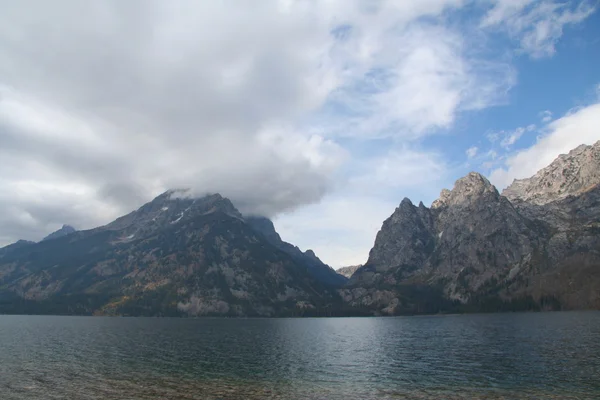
{"points": [[535, 246]]}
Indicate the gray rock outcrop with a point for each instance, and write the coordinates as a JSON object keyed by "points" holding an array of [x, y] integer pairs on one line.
{"points": [[569, 175], [348, 271]]}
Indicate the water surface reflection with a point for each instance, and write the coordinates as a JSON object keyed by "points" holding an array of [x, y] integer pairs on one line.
{"points": [[553, 355]]}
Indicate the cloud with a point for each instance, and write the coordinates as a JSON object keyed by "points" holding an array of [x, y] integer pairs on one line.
{"points": [[400, 169], [546, 116], [562, 135], [341, 228], [471, 152], [505, 139], [512, 137], [537, 25], [418, 89], [104, 106]]}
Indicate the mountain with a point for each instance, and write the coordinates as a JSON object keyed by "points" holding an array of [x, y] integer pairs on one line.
{"points": [[173, 256], [64, 231], [348, 271], [563, 199], [15, 246], [536, 246], [319, 270], [569, 175]]}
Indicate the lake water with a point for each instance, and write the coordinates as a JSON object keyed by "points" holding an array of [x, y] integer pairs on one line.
{"points": [[502, 356]]}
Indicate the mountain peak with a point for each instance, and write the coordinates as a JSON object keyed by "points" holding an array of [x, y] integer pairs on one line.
{"points": [[170, 208], [406, 202], [569, 174], [473, 179], [64, 231], [264, 226], [470, 186]]}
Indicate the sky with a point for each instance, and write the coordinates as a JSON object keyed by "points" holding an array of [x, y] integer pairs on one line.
{"points": [[322, 115]]}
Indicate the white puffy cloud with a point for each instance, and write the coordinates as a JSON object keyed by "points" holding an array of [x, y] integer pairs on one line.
{"points": [[562, 135]]}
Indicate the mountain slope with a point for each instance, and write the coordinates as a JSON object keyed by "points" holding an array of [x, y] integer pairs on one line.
{"points": [[569, 175], [14, 246], [570, 218], [173, 256], [319, 270], [474, 249]]}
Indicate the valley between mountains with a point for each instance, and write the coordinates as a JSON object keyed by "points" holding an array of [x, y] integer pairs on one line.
{"points": [[535, 246]]}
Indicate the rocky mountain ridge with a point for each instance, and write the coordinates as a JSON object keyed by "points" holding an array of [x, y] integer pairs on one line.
{"points": [[569, 175], [175, 255], [475, 249]]}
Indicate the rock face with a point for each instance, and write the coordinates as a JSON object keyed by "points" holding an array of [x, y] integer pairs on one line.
{"points": [[64, 231], [173, 256], [348, 271], [474, 249], [563, 200], [569, 175]]}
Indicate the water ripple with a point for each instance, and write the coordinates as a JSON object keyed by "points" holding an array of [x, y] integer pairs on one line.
{"points": [[509, 356]]}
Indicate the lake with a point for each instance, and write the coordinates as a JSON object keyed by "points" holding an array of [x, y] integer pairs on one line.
{"points": [[496, 356]]}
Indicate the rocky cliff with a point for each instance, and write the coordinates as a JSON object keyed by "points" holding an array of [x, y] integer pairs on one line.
{"points": [[173, 256], [535, 246], [569, 175], [563, 200]]}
